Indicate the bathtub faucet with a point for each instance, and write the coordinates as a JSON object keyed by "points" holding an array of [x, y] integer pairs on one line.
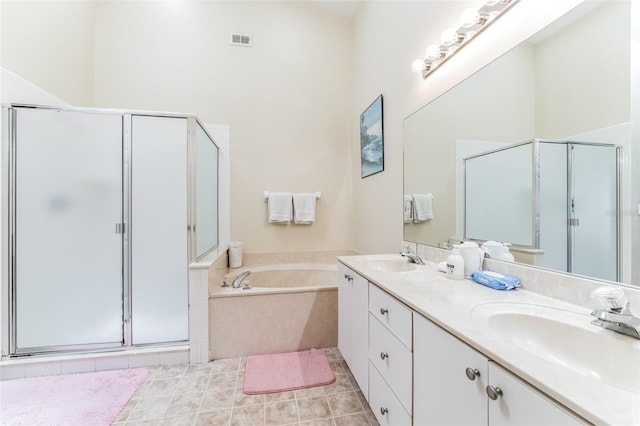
{"points": [[238, 280]]}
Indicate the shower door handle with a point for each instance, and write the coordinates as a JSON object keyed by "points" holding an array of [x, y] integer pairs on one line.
{"points": [[574, 222], [120, 228]]}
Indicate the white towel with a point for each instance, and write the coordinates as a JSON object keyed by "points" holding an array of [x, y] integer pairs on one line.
{"points": [[279, 206], [304, 208], [422, 207], [408, 208]]}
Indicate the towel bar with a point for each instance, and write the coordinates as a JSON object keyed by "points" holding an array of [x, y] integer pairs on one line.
{"points": [[266, 195]]}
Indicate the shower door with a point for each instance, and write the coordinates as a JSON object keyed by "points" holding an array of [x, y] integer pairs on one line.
{"points": [[66, 230], [593, 210]]}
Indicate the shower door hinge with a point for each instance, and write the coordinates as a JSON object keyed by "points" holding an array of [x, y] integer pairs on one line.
{"points": [[120, 228], [574, 222]]}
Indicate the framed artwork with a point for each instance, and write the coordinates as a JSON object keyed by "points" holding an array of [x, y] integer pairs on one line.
{"points": [[371, 139]]}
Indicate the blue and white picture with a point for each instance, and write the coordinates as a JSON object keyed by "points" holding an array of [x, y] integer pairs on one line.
{"points": [[371, 139]]}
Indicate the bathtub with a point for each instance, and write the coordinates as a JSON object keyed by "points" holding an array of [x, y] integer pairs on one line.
{"points": [[290, 307]]}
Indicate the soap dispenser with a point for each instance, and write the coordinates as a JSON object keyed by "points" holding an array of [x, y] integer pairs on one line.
{"points": [[506, 254], [455, 265]]}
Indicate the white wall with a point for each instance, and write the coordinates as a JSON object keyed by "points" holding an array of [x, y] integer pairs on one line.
{"points": [[50, 44], [387, 37], [286, 99]]}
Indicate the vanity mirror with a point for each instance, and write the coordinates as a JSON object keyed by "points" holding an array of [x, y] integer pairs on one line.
{"points": [[567, 87]]}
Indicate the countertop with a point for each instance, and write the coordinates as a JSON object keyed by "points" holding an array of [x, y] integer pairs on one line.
{"points": [[450, 303]]}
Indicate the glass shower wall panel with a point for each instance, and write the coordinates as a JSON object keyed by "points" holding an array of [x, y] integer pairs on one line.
{"points": [[499, 196], [68, 256], [206, 193], [553, 205], [159, 236], [595, 205]]}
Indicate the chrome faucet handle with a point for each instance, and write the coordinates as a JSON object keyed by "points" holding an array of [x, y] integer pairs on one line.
{"points": [[224, 283]]}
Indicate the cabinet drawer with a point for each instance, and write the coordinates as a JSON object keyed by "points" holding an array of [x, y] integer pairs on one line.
{"points": [[384, 404], [392, 360], [392, 313]]}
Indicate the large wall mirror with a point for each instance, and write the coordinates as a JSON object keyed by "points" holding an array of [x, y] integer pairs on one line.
{"points": [[555, 113]]}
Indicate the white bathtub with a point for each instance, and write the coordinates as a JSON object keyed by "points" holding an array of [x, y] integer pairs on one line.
{"points": [[290, 307]]}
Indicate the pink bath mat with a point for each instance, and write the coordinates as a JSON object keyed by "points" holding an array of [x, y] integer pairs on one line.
{"points": [[286, 372], [70, 399]]}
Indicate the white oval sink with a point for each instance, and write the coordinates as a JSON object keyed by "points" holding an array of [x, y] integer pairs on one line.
{"points": [[567, 339], [391, 265]]}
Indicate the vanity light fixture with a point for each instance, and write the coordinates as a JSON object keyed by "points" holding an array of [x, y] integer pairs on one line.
{"points": [[472, 22]]}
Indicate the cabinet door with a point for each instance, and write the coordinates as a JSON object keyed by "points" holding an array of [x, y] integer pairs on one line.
{"points": [[520, 404], [443, 394], [353, 324]]}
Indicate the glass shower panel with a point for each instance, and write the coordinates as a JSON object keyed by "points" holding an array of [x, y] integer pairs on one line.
{"points": [[159, 239], [594, 200], [68, 256], [206, 193], [499, 196], [553, 205]]}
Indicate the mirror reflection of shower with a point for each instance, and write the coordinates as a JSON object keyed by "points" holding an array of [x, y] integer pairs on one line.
{"points": [[557, 199]]}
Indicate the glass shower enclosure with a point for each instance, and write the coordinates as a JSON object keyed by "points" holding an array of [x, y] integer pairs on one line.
{"points": [[103, 212], [559, 197]]}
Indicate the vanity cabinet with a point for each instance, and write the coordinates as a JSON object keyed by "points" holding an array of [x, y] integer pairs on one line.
{"points": [[390, 358], [353, 324], [455, 385], [449, 378], [521, 404]]}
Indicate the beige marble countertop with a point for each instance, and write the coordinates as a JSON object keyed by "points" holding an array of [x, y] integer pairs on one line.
{"points": [[450, 303]]}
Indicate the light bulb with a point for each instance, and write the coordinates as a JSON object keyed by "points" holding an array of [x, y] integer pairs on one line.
{"points": [[432, 52], [448, 36], [469, 18], [417, 65]]}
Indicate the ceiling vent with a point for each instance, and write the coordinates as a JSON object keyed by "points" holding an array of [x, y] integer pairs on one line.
{"points": [[241, 40]]}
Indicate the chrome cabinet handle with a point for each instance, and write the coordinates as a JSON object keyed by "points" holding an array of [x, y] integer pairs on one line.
{"points": [[384, 311], [383, 411], [471, 373], [493, 392], [384, 355]]}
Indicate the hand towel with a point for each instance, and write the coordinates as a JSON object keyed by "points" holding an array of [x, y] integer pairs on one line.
{"points": [[422, 207], [304, 208], [408, 208], [279, 206]]}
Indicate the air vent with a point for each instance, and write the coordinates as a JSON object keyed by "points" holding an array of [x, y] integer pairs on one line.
{"points": [[241, 40]]}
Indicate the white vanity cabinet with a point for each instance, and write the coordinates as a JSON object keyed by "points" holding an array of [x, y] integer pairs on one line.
{"points": [[521, 404], [453, 384], [390, 358], [353, 324], [449, 378]]}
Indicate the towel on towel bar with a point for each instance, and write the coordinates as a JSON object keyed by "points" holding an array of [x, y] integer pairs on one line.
{"points": [[279, 206], [304, 208], [422, 207]]}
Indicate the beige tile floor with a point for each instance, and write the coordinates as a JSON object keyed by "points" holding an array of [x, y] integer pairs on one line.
{"points": [[211, 394]]}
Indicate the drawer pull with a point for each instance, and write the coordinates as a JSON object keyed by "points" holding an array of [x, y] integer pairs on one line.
{"points": [[383, 411], [384, 355], [348, 277], [384, 311], [493, 392], [472, 374]]}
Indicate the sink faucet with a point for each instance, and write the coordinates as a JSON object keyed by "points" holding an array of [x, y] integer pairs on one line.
{"points": [[238, 280], [411, 255], [618, 319]]}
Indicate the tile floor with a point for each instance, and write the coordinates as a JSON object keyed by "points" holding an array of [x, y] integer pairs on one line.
{"points": [[211, 394]]}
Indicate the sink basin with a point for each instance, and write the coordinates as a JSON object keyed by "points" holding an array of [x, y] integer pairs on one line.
{"points": [[391, 265], [567, 339]]}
